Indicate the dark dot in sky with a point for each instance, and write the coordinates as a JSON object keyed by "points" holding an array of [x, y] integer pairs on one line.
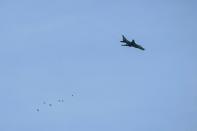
{"points": [[37, 110], [50, 104], [72, 95]]}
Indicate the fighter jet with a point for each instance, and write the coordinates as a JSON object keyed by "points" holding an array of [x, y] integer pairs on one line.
{"points": [[131, 43]]}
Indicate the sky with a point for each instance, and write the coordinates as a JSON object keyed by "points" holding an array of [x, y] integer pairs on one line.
{"points": [[53, 49]]}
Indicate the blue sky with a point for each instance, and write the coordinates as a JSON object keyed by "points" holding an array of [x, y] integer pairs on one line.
{"points": [[50, 50]]}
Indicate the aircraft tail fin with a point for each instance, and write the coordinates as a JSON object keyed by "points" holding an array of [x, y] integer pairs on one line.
{"points": [[123, 39]]}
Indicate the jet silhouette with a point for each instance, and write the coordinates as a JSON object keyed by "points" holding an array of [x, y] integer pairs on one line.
{"points": [[131, 43]]}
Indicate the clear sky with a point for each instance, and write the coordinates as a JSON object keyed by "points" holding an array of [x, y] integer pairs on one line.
{"points": [[51, 49]]}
